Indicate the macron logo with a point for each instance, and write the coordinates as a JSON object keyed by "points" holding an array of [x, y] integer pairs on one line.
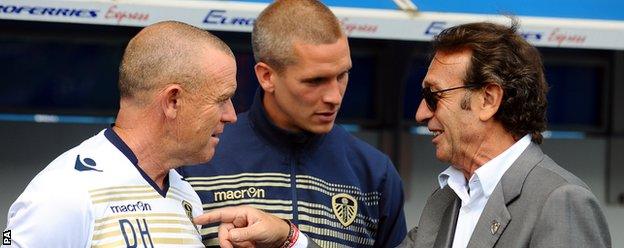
{"points": [[80, 165], [250, 192], [139, 206]]}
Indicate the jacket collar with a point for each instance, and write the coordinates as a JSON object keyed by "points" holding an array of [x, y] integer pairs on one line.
{"points": [[496, 216], [514, 178], [438, 219], [283, 139]]}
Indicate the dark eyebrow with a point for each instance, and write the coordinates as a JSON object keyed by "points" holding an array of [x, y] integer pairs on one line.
{"points": [[314, 79], [324, 77]]}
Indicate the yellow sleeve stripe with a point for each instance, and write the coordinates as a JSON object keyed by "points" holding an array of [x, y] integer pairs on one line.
{"points": [[181, 194], [332, 185], [335, 234], [209, 206], [116, 188], [136, 194], [126, 198], [239, 185], [238, 176], [133, 190], [239, 180]]}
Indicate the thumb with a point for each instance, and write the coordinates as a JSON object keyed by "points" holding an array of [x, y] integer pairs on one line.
{"points": [[245, 234]]}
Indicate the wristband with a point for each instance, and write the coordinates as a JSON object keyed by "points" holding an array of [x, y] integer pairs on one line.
{"points": [[293, 235]]}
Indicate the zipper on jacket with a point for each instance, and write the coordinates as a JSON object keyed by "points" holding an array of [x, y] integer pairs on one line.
{"points": [[294, 160]]}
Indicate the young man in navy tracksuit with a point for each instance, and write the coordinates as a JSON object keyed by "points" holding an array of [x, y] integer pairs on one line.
{"points": [[286, 156]]}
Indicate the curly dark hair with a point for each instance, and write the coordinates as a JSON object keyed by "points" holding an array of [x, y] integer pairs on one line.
{"points": [[501, 56]]}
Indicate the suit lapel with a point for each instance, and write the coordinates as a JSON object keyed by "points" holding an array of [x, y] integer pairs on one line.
{"points": [[444, 239], [434, 216], [492, 223], [495, 215]]}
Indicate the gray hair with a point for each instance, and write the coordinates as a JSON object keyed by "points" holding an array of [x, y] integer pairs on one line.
{"points": [[162, 53]]}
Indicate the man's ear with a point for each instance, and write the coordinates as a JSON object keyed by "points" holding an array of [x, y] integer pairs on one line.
{"points": [[266, 76], [492, 95], [170, 100]]}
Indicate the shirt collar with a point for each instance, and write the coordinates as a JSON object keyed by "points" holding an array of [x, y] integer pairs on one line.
{"points": [[491, 172], [454, 178], [261, 123], [451, 174]]}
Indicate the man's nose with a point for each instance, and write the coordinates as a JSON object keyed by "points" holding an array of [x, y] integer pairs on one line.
{"points": [[334, 92], [423, 113], [229, 114]]}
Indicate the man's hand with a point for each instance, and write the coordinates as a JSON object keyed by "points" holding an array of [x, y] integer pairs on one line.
{"points": [[246, 227]]}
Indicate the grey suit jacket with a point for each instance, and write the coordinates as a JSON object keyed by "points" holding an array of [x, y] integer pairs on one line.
{"points": [[536, 204]]}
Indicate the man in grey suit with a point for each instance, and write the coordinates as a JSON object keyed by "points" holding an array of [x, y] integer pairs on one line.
{"points": [[484, 99]]}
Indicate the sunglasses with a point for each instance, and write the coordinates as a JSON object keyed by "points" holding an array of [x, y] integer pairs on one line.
{"points": [[432, 97]]}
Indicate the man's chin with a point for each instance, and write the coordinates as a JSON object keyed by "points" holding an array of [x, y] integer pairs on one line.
{"points": [[441, 156], [202, 158], [321, 129]]}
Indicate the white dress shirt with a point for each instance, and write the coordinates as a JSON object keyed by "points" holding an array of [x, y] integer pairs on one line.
{"points": [[302, 241], [475, 194]]}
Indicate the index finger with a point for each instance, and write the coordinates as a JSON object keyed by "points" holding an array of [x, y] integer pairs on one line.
{"points": [[227, 215]]}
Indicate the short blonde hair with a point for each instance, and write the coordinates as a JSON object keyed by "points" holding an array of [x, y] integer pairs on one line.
{"points": [[286, 21]]}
